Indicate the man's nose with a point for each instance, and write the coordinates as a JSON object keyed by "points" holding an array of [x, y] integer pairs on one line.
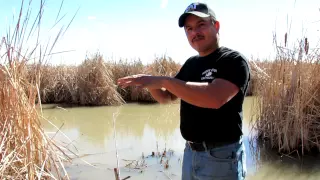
{"points": [[194, 32]]}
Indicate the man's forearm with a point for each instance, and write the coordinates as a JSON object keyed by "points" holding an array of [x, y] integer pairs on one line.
{"points": [[199, 94], [161, 96]]}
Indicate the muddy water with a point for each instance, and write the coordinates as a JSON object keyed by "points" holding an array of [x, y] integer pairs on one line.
{"points": [[143, 129]]}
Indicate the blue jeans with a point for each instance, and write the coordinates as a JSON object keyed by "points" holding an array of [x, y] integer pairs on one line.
{"points": [[222, 163]]}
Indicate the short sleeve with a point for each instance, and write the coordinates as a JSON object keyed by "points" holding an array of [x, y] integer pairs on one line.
{"points": [[183, 72], [236, 70]]}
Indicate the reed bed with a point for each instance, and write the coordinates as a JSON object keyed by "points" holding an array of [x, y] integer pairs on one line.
{"points": [[124, 68], [26, 151], [58, 84], [288, 101], [160, 66], [93, 83], [90, 83]]}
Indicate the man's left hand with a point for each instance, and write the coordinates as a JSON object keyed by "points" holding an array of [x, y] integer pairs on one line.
{"points": [[142, 81]]}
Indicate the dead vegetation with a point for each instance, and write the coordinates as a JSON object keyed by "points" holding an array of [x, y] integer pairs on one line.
{"points": [[288, 100], [26, 151], [162, 158], [93, 83]]}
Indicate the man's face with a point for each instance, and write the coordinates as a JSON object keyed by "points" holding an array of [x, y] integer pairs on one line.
{"points": [[201, 33]]}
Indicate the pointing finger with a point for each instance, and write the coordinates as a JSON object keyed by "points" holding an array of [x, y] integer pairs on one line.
{"points": [[128, 78], [125, 84]]}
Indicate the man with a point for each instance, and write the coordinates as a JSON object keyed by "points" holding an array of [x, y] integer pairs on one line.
{"points": [[212, 87]]}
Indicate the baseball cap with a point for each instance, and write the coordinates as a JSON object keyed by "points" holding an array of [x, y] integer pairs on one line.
{"points": [[198, 9]]}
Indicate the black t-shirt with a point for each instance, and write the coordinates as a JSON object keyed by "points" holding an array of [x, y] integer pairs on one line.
{"points": [[214, 125]]}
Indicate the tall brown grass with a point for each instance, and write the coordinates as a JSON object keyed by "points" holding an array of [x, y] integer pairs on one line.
{"points": [[288, 100], [26, 151], [160, 66], [94, 81], [90, 83], [57, 84], [124, 68]]}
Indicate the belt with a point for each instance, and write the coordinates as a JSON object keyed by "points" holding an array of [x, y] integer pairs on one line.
{"points": [[203, 146]]}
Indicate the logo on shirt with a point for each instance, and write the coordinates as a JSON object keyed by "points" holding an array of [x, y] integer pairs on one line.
{"points": [[208, 74]]}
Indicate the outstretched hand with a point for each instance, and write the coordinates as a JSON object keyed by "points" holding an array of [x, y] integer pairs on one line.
{"points": [[142, 81]]}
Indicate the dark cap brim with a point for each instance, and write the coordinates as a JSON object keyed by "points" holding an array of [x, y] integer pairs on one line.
{"points": [[185, 15]]}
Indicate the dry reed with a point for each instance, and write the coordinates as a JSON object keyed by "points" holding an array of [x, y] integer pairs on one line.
{"points": [[93, 82], [124, 68], [90, 83], [58, 84], [161, 66], [26, 151], [288, 108]]}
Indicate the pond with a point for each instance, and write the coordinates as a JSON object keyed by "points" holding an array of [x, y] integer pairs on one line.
{"points": [[141, 130]]}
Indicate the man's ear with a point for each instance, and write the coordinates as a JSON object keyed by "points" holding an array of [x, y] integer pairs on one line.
{"points": [[217, 25]]}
